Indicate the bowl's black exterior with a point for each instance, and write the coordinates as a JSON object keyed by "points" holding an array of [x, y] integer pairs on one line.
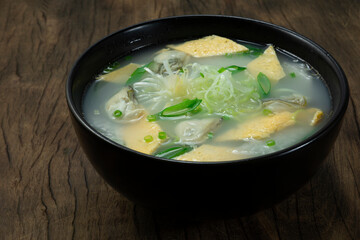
{"points": [[243, 185]]}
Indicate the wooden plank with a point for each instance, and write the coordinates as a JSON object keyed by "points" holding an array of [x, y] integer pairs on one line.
{"points": [[49, 190]]}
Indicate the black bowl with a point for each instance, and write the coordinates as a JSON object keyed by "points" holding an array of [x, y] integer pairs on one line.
{"points": [[243, 185]]}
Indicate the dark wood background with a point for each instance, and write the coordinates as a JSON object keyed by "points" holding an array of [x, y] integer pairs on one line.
{"points": [[49, 190]]}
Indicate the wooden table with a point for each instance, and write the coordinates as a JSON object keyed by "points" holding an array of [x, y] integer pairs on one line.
{"points": [[49, 190]]}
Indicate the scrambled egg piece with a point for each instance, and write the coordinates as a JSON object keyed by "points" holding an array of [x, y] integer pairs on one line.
{"points": [[210, 153], [259, 128], [120, 75], [209, 46], [268, 64], [133, 136]]}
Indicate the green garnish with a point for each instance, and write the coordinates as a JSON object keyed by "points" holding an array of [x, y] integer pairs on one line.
{"points": [[270, 143], [293, 75], [151, 118], [233, 69], [148, 138], [138, 74], [196, 110], [162, 135], [181, 70], [174, 152], [128, 57], [221, 70], [255, 51], [267, 112], [181, 108], [117, 113], [111, 67], [202, 75], [264, 83], [210, 135], [225, 117]]}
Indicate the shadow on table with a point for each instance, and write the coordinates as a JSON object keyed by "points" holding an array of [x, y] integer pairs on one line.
{"points": [[322, 209]]}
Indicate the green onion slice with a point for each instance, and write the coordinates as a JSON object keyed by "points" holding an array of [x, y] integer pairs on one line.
{"points": [[181, 108], [138, 74], [270, 143], [267, 112], [255, 51], [293, 75], [117, 113], [233, 69], [225, 117], [128, 57], [264, 83], [151, 118], [148, 138], [111, 67], [174, 152], [162, 135]]}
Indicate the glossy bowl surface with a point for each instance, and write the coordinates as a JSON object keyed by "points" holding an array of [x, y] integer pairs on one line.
{"points": [[242, 185]]}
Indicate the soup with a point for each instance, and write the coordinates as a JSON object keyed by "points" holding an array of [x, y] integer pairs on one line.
{"points": [[211, 99]]}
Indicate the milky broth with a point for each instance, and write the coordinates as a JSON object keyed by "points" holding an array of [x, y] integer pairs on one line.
{"points": [[307, 82]]}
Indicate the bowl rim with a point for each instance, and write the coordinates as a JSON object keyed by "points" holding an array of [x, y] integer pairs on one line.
{"points": [[335, 117]]}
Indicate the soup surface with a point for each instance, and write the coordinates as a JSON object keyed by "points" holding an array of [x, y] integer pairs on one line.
{"points": [[211, 99]]}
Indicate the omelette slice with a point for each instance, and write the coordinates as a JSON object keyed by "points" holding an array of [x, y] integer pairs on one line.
{"points": [[133, 136], [268, 64], [120, 75], [209, 46], [318, 115], [310, 116], [210, 153], [259, 128]]}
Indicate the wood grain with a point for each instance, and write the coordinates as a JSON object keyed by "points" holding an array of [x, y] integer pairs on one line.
{"points": [[49, 190]]}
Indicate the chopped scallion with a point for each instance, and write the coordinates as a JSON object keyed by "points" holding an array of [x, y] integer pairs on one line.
{"points": [[210, 135], [267, 112], [138, 74], [196, 110], [270, 143], [202, 75], [226, 117], [174, 152], [233, 69], [117, 113], [162, 135], [254, 51], [151, 118], [293, 75], [221, 70], [148, 138], [181, 108], [264, 83], [111, 67]]}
